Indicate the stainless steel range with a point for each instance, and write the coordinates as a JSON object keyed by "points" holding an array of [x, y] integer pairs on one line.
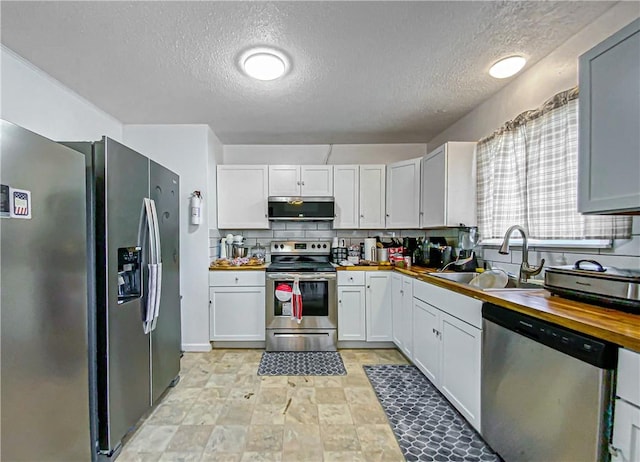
{"points": [[309, 262]]}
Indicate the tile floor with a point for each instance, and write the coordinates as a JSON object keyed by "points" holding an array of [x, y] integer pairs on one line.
{"points": [[223, 411]]}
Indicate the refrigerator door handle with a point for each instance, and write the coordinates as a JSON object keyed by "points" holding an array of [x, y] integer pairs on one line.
{"points": [[158, 251], [149, 207]]}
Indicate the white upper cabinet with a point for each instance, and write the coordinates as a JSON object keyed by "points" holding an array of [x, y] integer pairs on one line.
{"points": [[449, 186], [359, 192], [346, 190], [403, 194], [301, 180], [242, 197], [372, 196], [609, 145]]}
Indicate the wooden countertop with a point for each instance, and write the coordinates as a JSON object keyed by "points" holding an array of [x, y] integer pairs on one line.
{"points": [[238, 268], [605, 323]]}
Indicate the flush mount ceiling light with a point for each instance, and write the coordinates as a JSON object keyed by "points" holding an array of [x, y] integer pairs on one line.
{"points": [[507, 67], [264, 63]]}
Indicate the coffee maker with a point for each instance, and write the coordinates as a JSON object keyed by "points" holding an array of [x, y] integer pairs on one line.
{"points": [[467, 240]]}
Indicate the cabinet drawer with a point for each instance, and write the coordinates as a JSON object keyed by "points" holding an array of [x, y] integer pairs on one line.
{"points": [[236, 278], [462, 307], [628, 386], [351, 278]]}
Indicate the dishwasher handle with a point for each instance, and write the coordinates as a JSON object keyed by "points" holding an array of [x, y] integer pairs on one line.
{"points": [[596, 352]]}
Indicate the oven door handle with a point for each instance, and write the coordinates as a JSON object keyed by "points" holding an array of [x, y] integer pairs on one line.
{"points": [[302, 276]]}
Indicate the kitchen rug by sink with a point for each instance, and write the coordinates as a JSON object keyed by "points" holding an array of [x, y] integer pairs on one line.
{"points": [[301, 363], [426, 426]]}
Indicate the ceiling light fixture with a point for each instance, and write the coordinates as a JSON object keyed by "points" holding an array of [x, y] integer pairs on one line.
{"points": [[507, 67], [264, 63]]}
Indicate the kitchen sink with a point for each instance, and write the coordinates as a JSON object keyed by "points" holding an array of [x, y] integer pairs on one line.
{"points": [[462, 278], [465, 278]]}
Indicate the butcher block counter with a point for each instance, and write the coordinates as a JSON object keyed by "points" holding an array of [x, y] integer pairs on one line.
{"points": [[605, 323], [238, 268]]}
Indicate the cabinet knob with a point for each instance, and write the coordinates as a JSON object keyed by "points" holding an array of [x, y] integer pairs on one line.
{"points": [[388, 215], [298, 183], [368, 287], [339, 301], [303, 183], [361, 216], [237, 279], [402, 292]]}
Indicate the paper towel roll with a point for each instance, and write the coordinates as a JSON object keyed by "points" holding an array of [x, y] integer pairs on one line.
{"points": [[370, 249]]}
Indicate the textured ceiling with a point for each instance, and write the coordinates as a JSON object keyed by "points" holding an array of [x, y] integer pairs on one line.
{"points": [[363, 72]]}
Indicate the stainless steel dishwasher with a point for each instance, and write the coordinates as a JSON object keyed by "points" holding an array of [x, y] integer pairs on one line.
{"points": [[546, 390]]}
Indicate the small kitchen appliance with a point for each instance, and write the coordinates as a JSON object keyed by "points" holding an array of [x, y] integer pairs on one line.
{"points": [[589, 281], [467, 240], [307, 262]]}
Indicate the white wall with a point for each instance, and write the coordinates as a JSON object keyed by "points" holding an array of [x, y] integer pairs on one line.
{"points": [[556, 72], [316, 154], [34, 100], [187, 150]]}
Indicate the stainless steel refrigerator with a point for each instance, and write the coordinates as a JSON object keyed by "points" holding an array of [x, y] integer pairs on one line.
{"points": [[134, 203], [46, 334]]}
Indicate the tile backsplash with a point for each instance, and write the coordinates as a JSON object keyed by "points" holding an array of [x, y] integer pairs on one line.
{"points": [[625, 253], [306, 230]]}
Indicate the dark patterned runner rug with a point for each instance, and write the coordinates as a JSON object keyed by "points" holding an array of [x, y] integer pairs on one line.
{"points": [[426, 426], [301, 363]]}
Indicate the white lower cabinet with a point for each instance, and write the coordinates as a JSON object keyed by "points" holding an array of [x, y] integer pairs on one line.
{"points": [[460, 367], [351, 313], [626, 420], [426, 344], [401, 306], [448, 349], [378, 306], [237, 306], [364, 306]]}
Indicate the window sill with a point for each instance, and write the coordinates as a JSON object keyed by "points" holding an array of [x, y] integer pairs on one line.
{"points": [[553, 243]]}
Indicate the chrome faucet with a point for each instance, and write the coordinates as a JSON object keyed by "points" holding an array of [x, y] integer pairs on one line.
{"points": [[525, 269]]}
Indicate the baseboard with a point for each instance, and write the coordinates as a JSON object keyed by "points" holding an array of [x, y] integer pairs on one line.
{"points": [[239, 344], [191, 347], [364, 345]]}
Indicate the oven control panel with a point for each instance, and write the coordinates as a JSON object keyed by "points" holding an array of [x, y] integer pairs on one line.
{"points": [[300, 247]]}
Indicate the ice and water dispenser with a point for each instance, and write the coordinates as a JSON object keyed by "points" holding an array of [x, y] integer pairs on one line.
{"points": [[129, 273]]}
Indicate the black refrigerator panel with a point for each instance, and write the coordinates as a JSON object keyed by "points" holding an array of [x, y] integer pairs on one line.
{"points": [[165, 338], [122, 184]]}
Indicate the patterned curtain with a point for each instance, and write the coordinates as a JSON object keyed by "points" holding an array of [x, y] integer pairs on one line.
{"points": [[527, 174]]}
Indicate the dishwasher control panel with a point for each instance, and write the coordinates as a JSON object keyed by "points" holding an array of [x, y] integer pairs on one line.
{"points": [[581, 346]]}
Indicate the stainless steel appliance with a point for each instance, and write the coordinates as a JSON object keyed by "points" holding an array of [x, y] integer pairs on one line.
{"points": [[309, 262], [546, 390], [47, 329], [301, 208], [134, 224], [589, 281]]}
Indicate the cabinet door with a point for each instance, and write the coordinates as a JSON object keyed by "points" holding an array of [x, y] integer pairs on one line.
{"points": [[608, 160], [242, 197], [434, 184], [426, 343], [626, 432], [407, 316], [372, 196], [346, 190], [351, 313], [403, 194], [284, 180], [378, 303], [460, 366], [237, 313], [396, 308], [317, 180]]}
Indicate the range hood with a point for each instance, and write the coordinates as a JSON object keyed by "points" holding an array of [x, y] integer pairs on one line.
{"points": [[301, 208]]}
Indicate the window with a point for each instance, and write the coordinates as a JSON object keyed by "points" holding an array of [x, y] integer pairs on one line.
{"points": [[527, 174]]}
